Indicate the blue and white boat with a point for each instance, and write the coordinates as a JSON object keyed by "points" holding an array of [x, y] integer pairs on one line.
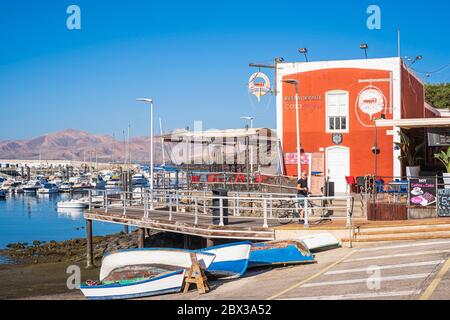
{"points": [[144, 272], [231, 259], [282, 252]]}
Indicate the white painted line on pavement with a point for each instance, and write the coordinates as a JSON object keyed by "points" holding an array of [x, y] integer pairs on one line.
{"points": [[420, 244], [353, 281], [392, 266], [398, 255], [367, 295]]}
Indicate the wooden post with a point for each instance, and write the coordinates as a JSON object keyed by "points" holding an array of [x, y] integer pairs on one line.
{"points": [[141, 239], [89, 244]]}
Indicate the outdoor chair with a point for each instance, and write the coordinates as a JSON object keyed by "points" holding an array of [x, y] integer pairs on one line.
{"points": [[360, 184], [351, 184]]}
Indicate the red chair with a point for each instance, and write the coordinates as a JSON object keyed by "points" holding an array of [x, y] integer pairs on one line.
{"points": [[351, 183], [195, 179]]}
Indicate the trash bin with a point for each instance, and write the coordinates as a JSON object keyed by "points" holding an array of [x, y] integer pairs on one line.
{"points": [[216, 206]]}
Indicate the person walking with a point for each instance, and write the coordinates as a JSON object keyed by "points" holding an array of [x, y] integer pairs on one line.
{"points": [[302, 193]]}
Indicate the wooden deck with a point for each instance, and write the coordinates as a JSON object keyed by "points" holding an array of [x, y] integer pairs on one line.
{"points": [[245, 228]]}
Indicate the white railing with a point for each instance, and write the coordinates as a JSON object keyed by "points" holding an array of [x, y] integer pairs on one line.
{"points": [[261, 208]]}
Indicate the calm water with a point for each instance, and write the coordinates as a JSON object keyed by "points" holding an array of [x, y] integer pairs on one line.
{"points": [[25, 218]]}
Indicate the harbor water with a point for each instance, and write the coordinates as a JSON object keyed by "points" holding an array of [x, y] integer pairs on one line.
{"points": [[25, 218]]}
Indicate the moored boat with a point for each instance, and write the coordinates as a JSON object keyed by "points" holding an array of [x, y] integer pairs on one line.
{"points": [[48, 188], [282, 252], [72, 204], [231, 259]]}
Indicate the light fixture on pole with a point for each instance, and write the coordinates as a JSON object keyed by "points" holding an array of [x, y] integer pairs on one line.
{"points": [[251, 146], [150, 101], [297, 124], [304, 51], [417, 58], [364, 46]]}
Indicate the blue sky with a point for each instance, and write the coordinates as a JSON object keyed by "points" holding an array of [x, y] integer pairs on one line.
{"points": [[191, 57]]}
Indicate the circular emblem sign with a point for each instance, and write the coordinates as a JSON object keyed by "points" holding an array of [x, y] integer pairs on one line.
{"points": [[371, 101], [337, 138], [259, 84]]}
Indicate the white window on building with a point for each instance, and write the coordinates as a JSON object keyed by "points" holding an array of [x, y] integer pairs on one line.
{"points": [[337, 111]]}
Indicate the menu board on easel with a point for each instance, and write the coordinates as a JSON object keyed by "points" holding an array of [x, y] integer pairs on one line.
{"points": [[422, 192], [444, 202]]}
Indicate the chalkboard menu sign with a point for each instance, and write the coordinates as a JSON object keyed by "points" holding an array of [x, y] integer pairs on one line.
{"points": [[444, 202], [438, 137], [422, 192]]}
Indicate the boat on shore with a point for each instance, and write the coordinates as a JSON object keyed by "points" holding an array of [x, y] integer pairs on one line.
{"points": [[231, 259], [135, 282], [320, 242], [142, 272], [283, 252]]}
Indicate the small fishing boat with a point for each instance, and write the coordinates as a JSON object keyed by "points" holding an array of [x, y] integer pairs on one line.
{"points": [[279, 253], [231, 259], [320, 241], [134, 282], [72, 204], [142, 272], [150, 256]]}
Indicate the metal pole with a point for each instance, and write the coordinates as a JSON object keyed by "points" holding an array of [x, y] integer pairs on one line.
{"points": [[297, 123], [221, 212], [90, 200], [106, 201], [349, 223], [151, 154], [265, 225], [124, 203], [89, 243], [306, 213], [196, 210]]}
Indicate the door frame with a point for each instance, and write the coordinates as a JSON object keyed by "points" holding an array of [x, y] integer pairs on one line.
{"points": [[326, 158]]}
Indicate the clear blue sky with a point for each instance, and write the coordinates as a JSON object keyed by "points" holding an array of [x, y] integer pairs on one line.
{"points": [[191, 57]]}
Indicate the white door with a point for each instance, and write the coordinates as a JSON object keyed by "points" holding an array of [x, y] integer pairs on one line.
{"points": [[338, 166]]}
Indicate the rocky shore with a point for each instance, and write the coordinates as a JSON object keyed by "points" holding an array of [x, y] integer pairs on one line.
{"points": [[74, 250]]}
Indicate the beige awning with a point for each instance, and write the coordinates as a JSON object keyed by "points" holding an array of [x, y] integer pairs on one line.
{"points": [[414, 123]]}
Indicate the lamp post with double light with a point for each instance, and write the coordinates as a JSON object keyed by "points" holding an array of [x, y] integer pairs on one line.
{"points": [[297, 124]]}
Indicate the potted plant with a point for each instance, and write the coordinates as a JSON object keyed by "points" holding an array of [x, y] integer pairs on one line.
{"points": [[444, 157], [409, 154]]}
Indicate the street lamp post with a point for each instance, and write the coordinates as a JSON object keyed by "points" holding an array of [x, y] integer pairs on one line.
{"points": [[297, 124], [150, 101], [251, 146]]}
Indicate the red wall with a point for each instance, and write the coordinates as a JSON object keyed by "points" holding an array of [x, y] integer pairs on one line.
{"points": [[360, 138], [413, 97]]}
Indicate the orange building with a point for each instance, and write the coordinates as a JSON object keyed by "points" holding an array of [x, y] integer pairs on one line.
{"points": [[338, 102]]}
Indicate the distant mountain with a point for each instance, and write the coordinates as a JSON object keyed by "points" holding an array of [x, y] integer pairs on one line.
{"points": [[73, 144]]}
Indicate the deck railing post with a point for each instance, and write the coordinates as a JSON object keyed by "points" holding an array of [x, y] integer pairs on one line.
{"points": [[204, 202], [265, 213], [177, 200], [196, 210], [106, 201], [90, 200], [145, 205], [305, 213], [221, 212], [151, 199], [271, 206], [124, 203], [170, 206], [238, 203], [348, 212]]}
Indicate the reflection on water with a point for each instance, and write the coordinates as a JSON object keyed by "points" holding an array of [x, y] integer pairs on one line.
{"points": [[24, 218]]}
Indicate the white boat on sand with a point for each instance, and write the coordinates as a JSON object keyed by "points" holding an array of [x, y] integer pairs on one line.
{"points": [[320, 241]]}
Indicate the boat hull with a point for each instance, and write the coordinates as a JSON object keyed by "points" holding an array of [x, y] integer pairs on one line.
{"points": [[147, 256], [279, 253], [168, 283], [321, 241], [231, 260]]}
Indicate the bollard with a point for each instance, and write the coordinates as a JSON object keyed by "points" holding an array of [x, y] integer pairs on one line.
{"points": [[265, 213]]}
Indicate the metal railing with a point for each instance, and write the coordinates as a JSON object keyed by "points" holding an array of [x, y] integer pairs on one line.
{"points": [[245, 207]]}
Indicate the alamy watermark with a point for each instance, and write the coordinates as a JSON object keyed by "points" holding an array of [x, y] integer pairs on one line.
{"points": [[73, 21], [74, 280], [374, 20]]}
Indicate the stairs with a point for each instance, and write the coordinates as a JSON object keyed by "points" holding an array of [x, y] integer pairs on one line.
{"points": [[359, 209], [416, 230]]}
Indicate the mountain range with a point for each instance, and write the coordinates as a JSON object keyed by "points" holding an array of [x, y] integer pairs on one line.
{"points": [[79, 145]]}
